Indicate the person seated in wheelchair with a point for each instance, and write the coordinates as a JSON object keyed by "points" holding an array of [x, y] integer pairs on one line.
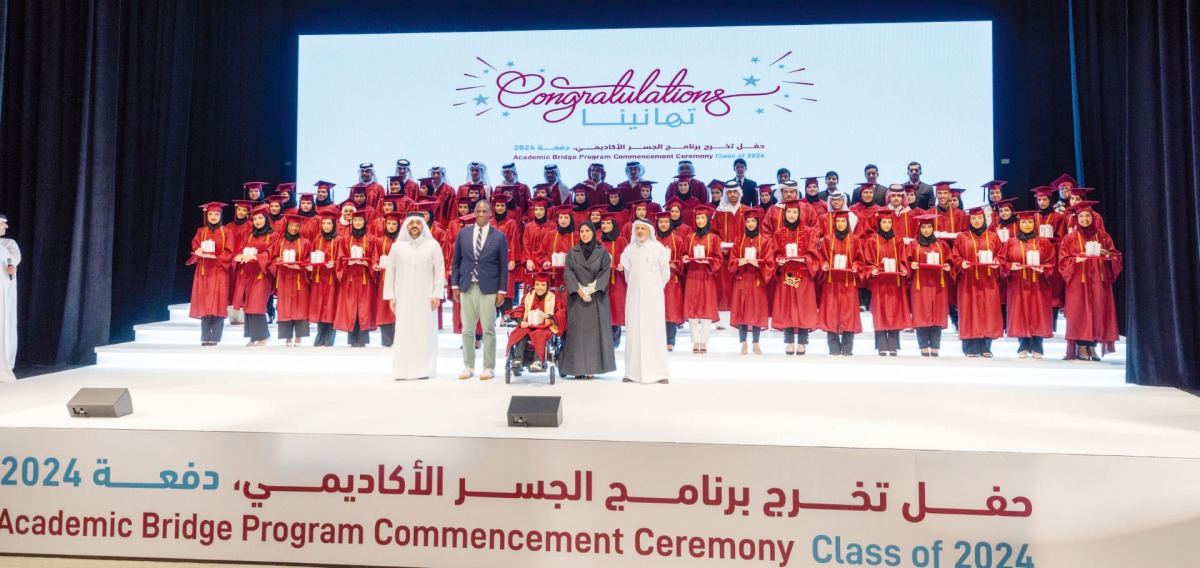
{"points": [[539, 317]]}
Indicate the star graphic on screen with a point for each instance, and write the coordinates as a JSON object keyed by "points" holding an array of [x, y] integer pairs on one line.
{"points": [[753, 60], [510, 64], [542, 70], [485, 71], [504, 114], [751, 81], [781, 66], [481, 100], [759, 111], [787, 96]]}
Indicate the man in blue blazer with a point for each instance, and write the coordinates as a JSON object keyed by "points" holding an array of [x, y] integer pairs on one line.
{"points": [[478, 278]]}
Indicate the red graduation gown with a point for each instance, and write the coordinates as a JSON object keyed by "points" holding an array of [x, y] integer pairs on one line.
{"points": [[383, 309], [512, 234], [1088, 304], [618, 288], [889, 293], [697, 193], [728, 225], [322, 294], [256, 278], [673, 291], [978, 287], [1030, 295], [839, 290], [748, 302], [210, 284], [532, 234], [359, 285], [929, 288], [292, 286], [700, 280], [795, 301], [520, 202]]}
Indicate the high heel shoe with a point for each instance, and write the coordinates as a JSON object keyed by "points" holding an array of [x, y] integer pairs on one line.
{"points": [[744, 349], [758, 351]]}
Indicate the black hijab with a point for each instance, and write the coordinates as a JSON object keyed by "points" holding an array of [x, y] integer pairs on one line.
{"points": [[589, 247]]}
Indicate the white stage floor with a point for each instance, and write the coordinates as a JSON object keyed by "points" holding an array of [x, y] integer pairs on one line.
{"points": [[908, 402]]}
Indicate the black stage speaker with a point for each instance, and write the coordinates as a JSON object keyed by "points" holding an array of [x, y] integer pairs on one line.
{"points": [[544, 411], [100, 403]]}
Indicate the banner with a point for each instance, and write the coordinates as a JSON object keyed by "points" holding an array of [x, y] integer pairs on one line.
{"points": [[463, 502], [809, 98]]}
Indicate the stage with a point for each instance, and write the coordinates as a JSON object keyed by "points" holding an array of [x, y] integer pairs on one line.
{"points": [[1057, 432]]}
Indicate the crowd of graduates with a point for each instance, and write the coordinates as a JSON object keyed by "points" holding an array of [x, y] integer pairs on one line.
{"points": [[790, 255]]}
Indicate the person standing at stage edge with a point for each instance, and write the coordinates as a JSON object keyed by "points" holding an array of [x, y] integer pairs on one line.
{"points": [[10, 257], [212, 253], [412, 286], [479, 278]]}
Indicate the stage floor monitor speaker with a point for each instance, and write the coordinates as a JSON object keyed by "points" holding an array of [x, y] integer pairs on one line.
{"points": [[535, 411], [100, 403]]}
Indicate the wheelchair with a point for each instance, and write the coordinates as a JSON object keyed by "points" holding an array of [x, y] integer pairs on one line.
{"points": [[553, 348]]}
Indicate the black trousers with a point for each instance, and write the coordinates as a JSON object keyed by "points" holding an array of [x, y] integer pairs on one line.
{"points": [[929, 337], [293, 329], [840, 344], [672, 329], [977, 346], [744, 330], [1030, 344], [387, 334], [954, 317], [887, 340], [325, 335], [616, 332], [271, 308], [211, 328], [357, 337], [864, 298], [1085, 343], [795, 335], [256, 327]]}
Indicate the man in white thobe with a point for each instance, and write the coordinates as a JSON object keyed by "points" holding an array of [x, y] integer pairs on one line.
{"points": [[10, 257], [413, 283], [646, 264]]}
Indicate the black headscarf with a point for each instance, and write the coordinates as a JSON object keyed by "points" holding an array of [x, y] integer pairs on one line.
{"points": [[358, 233], [706, 229], [754, 233], [887, 235], [589, 247], [213, 227], [977, 232], [611, 236], [1026, 237], [926, 241], [264, 231], [790, 225], [570, 228], [331, 234]]}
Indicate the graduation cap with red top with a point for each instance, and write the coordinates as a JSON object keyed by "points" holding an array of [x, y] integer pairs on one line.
{"points": [[540, 202], [324, 184], [286, 187], [765, 187], [563, 210], [358, 189], [706, 210], [925, 219], [294, 218], [753, 213], [674, 202], [427, 205], [360, 214], [257, 184], [1083, 206], [840, 213], [394, 200], [277, 199], [215, 206], [543, 277], [580, 188], [994, 183], [393, 216], [597, 209], [643, 202], [978, 210], [260, 210], [464, 200], [793, 204], [1064, 179], [944, 185], [956, 191], [309, 197], [397, 179], [1004, 203], [244, 203], [716, 184], [330, 212], [347, 203], [1023, 215], [501, 199], [910, 188], [607, 216], [1080, 192], [812, 180], [662, 215], [1042, 191]]}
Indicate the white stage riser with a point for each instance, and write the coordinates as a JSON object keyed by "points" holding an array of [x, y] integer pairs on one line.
{"points": [[490, 502]]}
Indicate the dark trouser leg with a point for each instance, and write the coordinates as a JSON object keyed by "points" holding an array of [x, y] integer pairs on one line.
{"points": [[756, 333], [973, 346], [923, 334], [518, 353], [672, 328], [835, 342], [1035, 345], [743, 330], [387, 332], [954, 316], [271, 308], [326, 334], [285, 329], [789, 335], [1023, 344], [847, 343], [217, 329], [893, 340], [1004, 316], [256, 327], [864, 299], [301, 328], [1054, 318], [358, 337], [616, 332], [881, 341], [802, 336], [985, 345], [935, 337]]}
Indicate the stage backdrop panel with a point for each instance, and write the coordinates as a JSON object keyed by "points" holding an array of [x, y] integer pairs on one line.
{"points": [[462, 502], [810, 98]]}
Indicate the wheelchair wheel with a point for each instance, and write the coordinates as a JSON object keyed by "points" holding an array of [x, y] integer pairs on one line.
{"points": [[507, 374], [553, 371]]}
